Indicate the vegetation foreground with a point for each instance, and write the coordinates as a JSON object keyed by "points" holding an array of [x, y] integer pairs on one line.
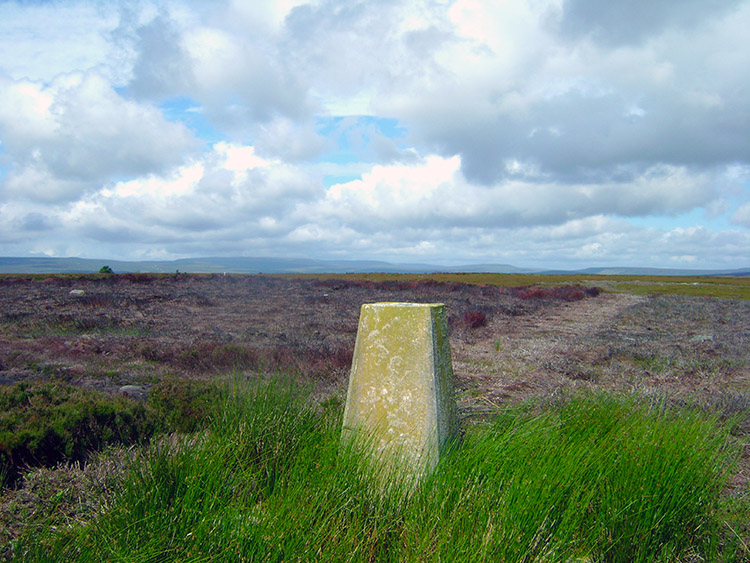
{"points": [[584, 478]]}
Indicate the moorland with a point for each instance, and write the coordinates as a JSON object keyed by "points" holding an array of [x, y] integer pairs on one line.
{"points": [[94, 368]]}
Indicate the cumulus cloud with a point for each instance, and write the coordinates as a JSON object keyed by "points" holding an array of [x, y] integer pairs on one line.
{"points": [[546, 132], [253, 84], [161, 68], [583, 111], [625, 23], [289, 139], [45, 39], [64, 139], [742, 215], [355, 54], [230, 192], [434, 191]]}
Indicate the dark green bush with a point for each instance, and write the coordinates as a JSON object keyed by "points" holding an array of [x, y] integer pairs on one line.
{"points": [[181, 404], [45, 423]]}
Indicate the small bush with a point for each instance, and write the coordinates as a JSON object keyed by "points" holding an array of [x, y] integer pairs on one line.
{"points": [[592, 291], [181, 404], [474, 319], [585, 479], [309, 359], [557, 292], [210, 356], [46, 423], [42, 424], [84, 322], [138, 277]]}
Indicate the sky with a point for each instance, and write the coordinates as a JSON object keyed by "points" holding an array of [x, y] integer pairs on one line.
{"points": [[538, 133]]}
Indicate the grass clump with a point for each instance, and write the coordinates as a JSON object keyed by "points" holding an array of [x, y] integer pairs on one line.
{"points": [[181, 404], [45, 423], [597, 478]]}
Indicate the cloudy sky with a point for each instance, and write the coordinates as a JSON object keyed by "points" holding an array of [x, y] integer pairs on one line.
{"points": [[540, 133]]}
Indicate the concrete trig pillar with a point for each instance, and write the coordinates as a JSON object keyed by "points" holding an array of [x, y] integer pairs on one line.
{"points": [[401, 383]]}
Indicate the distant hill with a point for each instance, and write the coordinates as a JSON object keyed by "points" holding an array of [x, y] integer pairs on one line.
{"points": [[255, 265], [236, 265]]}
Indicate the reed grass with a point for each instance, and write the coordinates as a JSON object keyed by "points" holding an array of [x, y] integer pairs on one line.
{"points": [[592, 478]]}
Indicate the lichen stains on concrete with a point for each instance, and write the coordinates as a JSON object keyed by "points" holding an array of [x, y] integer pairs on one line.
{"points": [[401, 381]]}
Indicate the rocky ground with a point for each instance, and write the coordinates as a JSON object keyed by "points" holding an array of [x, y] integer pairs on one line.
{"points": [[115, 331], [126, 332]]}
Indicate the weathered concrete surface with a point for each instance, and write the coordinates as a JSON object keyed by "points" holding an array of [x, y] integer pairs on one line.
{"points": [[401, 383]]}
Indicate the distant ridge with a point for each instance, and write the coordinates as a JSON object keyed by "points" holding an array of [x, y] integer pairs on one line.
{"points": [[255, 265], [235, 265]]}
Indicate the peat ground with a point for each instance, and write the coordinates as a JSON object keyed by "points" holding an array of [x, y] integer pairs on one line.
{"points": [[105, 332], [127, 333]]}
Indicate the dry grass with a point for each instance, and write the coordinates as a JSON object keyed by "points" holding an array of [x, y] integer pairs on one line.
{"points": [[510, 342], [50, 499]]}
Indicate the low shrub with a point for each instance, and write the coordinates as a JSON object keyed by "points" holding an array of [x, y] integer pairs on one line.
{"points": [[137, 277], [555, 292], [527, 292], [310, 361], [474, 319], [418, 285], [585, 479], [45, 423], [181, 404], [208, 356]]}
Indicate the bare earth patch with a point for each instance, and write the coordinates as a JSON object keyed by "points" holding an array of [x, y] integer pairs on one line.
{"points": [[516, 357]]}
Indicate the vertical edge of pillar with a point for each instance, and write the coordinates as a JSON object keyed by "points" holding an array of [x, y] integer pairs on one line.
{"points": [[445, 400]]}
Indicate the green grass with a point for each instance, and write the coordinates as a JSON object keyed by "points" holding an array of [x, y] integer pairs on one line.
{"points": [[43, 423], [725, 287], [722, 287], [598, 478]]}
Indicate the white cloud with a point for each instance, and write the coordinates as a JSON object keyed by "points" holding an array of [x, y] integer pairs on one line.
{"points": [[615, 24], [742, 215], [685, 87], [181, 182], [539, 131], [65, 139], [435, 190], [229, 190], [241, 78], [386, 189], [289, 139], [41, 40], [239, 158]]}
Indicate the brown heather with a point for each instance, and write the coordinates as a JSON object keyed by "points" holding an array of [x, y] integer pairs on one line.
{"points": [[512, 339]]}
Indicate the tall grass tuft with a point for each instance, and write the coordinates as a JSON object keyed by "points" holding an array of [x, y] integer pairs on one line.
{"points": [[596, 478]]}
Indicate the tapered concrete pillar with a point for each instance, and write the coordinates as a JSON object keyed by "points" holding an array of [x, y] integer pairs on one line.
{"points": [[401, 383]]}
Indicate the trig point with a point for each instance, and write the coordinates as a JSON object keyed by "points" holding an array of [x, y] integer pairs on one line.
{"points": [[401, 383]]}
